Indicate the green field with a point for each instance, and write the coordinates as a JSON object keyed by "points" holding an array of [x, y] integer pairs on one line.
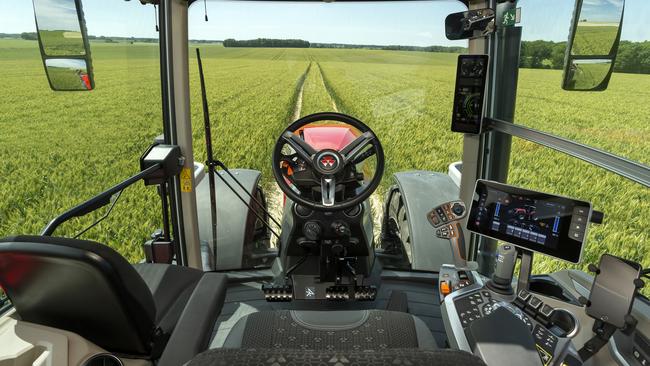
{"points": [[58, 149], [594, 39], [62, 43]]}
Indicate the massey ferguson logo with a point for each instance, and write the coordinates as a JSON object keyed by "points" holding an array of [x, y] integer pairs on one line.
{"points": [[328, 162]]}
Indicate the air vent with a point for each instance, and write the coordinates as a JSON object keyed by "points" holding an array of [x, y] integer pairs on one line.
{"points": [[103, 359]]}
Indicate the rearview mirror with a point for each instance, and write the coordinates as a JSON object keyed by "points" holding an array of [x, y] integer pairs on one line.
{"points": [[64, 44], [469, 24], [68, 74], [593, 44]]}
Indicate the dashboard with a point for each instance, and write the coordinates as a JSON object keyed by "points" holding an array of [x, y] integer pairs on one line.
{"points": [[562, 319]]}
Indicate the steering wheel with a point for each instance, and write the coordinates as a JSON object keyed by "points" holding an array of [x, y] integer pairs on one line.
{"points": [[302, 170]]}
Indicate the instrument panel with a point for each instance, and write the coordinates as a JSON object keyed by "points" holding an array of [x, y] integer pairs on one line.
{"points": [[469, 93], [536, 221]]}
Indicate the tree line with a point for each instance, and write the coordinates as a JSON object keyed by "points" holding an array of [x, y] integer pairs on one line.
{"points": [[392, 47], [299, 43], [267, 42], [31, 36], [633, 57]]}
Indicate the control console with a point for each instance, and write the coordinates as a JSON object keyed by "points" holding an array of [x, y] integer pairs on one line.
{"points": [[504, 327], [550, 328]]}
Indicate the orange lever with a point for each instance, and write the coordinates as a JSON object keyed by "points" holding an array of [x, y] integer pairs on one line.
{"points": [[445, 288]]}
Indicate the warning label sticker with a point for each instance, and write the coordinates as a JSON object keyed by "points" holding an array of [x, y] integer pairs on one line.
{"points": [[186, 180]]}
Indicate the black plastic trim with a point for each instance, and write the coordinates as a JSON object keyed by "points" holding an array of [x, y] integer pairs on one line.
{"points": [[169, 127], [194, 328]]}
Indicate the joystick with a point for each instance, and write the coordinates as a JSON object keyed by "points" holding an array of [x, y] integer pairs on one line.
{"points": [[501, 281], [446, 219]]}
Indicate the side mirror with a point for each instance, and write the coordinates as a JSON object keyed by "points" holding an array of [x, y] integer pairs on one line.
{"points": [[469, 24], [593, 44], [64, 44]]}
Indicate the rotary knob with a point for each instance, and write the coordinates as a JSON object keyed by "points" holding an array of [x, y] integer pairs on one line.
{"points": [[311, 230], [458, 209]]}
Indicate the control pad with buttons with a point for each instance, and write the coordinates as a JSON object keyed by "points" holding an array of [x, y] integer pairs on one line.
{"points": [[446, 220], [446, 213], [546, 343], [452, 279]]}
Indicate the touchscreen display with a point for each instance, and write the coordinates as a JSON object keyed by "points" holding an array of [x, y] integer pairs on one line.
{"points": [[532, 220], [469, 93]]}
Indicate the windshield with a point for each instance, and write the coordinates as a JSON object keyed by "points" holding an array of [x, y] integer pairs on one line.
{"points": [[268, 63]]}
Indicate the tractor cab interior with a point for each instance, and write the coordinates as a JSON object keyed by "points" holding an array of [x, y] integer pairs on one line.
{"points": [[341, 276]]}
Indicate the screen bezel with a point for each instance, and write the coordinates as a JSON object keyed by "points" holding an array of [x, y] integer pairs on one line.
{"points": [[522, 191]]}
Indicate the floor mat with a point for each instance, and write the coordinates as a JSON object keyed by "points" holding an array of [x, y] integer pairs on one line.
{"points": [[245, 298]]}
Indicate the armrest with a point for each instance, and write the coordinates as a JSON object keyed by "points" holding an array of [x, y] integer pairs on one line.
{"points": [[194, 328], [502, 339]]}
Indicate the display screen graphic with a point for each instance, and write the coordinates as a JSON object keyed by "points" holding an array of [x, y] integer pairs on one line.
{"points": [[537, 221], [469, 93]]}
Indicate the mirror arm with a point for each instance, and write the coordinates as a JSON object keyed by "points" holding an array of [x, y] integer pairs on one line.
{"points": [[98, 201], [108, 213]]}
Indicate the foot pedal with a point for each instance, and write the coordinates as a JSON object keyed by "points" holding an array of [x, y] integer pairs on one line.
{"points": [[365, 293], [277, 293]]}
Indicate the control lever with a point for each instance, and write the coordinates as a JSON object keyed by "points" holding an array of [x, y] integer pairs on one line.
{"points": [[446, 219], [501, 281]]}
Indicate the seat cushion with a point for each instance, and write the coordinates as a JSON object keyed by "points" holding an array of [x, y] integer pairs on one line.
{"points": [[387, 357], [171, 287], [330, 330]]}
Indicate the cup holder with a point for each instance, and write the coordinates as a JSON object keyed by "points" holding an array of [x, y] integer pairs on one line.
{"points": [[564, 323]]}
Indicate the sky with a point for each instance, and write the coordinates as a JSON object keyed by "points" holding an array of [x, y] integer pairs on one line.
{"points": [[57, 15], [385, 23], [599, 11]]}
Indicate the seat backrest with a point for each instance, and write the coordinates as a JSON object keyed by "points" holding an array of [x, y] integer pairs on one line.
{"points": [[386, 357], [79, 286]]}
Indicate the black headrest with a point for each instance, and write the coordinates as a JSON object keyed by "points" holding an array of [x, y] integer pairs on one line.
{"points": [[80, 286]]}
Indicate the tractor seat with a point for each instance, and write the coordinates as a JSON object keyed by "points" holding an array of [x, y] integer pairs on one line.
{"points": [[91, 290], [386, 357], [357, 330], [170, 286]]}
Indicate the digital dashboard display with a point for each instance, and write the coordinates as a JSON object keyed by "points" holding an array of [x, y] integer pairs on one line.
{"points": [[469, 92], [532, 220]]}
